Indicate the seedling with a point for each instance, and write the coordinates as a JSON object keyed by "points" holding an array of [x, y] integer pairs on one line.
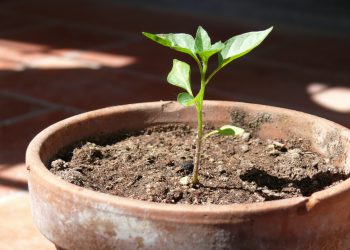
{"points": [[201, 49]]}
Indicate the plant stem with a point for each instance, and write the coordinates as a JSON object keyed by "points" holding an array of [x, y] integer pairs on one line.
{"points": [[212, 74], [199, 64], [199, 138], [197, 155]]}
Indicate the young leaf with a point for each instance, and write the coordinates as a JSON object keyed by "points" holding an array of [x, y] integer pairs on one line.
{"points": [[180, 75], [226, 130], [185, 99], [179, 41], [215, 48], [240, 45], [202, 41]]}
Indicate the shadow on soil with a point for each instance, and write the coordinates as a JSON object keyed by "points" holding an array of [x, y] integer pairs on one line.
{"points": [[307, 185]]}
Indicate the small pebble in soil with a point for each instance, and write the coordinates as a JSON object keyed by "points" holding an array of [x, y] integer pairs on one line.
{"points": [[245, 137], [274, 152], [279, 146], [59, 164], [244, 148], [185, 181]]}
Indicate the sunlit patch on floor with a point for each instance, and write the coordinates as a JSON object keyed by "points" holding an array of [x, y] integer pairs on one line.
{"points": [[333, 98], [21, 55]]}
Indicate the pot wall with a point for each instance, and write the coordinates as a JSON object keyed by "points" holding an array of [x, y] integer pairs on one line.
{"points": [[77, 218]]}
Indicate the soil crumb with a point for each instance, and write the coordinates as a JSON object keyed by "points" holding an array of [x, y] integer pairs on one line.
{"points": [[156, 165]]}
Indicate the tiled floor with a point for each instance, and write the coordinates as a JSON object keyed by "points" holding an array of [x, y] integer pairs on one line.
{"points": [[61, 58]]}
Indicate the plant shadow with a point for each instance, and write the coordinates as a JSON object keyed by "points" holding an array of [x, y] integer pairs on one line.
{"points": [[306, 186]]}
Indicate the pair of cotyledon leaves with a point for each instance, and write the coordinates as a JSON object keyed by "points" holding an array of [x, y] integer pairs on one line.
{"points": [[228, 51]]}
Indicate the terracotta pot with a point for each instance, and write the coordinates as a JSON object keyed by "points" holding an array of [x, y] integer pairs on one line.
{"points": [[76, 218]]}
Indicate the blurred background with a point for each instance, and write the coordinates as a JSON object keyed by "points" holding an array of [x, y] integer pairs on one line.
{"points": [[61, 58]]}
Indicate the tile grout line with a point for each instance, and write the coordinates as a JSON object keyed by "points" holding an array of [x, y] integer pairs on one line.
{"points": [[27, 116], [40, 102]]}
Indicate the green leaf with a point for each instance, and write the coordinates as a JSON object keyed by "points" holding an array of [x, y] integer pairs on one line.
{"points": [[180, 75], [215, 48], [226, 130], [185, 99], [179, 41], [202, 41], [230, 130], [240, 45], [158, 39]]}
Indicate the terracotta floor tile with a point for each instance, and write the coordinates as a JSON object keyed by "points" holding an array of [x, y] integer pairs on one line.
{"points": [[20, 55], [252, 82], [58, 10], [8, 46], [49, 61], [14, 54], [13, 178], [11, 23], [335, 98], [6, 65], [102, 14], [123, 18], [151, 58], [99, 58], [10, 187], [324, 53], [15, 138], [11, 107], [18, 231], [88, 89], [64, 36], [110, 87]]}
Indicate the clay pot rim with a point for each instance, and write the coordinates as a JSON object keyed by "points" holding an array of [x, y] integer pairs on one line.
{"points": [[37, 168]]}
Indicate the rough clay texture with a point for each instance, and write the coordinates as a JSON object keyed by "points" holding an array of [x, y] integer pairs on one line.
{"points": [[155, 164]]}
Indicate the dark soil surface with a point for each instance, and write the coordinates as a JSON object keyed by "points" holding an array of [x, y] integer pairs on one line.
{"points": [[156, 165]]}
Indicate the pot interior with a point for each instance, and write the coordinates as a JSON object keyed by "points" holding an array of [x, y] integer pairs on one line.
{"points": [[327, 138]]}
